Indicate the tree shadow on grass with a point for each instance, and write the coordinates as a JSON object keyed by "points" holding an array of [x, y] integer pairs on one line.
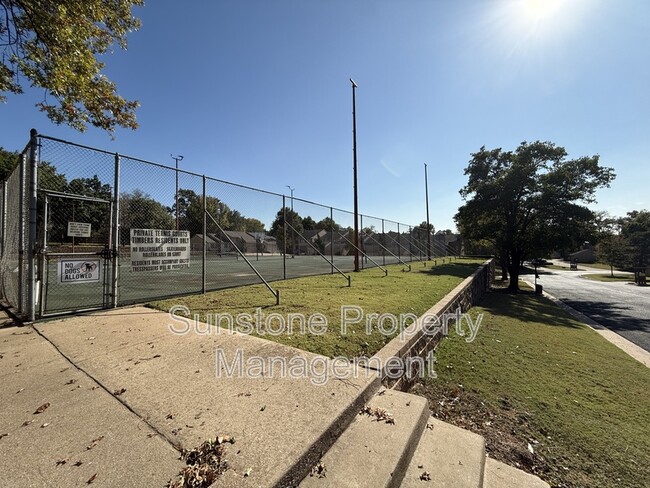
{"points": [[456, 269], [525, 306]]}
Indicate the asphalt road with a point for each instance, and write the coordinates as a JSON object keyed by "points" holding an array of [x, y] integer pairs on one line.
{"points": [[621, 307]]}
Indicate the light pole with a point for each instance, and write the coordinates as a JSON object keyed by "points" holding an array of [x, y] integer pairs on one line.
{"points": [[354, 171], [291, 189], [426, 193], [177, 159]]}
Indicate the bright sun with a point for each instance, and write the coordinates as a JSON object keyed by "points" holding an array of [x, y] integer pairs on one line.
{"points": [[539, 10]]}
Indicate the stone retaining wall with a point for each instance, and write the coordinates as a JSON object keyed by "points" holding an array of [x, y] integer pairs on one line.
{"points": [[418, 340]]}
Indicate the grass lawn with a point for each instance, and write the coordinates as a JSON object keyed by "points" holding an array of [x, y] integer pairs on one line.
{"points": [[536, 379], [399, 292], [608, 277]]}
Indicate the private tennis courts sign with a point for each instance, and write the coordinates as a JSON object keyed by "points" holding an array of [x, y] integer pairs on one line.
{"points": [[159, 249]]}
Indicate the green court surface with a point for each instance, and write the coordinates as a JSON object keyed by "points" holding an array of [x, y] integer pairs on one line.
{"points": [[221, 272]]}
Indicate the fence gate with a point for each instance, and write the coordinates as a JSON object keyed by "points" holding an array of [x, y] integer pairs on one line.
{"points": [[75, 270]]}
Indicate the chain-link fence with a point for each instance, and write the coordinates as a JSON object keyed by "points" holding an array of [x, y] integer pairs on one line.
{"points": [[110, 230]]}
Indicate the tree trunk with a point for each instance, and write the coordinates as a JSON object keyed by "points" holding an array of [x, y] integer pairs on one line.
{"points": [[504, 266], [611, 269], [513, 269]]}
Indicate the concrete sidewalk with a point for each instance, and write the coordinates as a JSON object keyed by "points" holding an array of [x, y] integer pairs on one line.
{"points": [[133, 378], [84, 432]]}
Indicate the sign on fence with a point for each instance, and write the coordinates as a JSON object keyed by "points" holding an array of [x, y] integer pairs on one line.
{"points": [[159, 249], [78, 229], [79, 270]]}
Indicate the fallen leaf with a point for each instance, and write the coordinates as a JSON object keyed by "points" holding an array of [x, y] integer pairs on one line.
{"points": [[91, 479], [530, 449], [61, 462], [27, 422], [425, 476], [94, 442], [248, 472], [77, 464], [263, 408], [45, 425], [3, 435], [71, 382], [20, 390], [119, 392], [42, 408]]}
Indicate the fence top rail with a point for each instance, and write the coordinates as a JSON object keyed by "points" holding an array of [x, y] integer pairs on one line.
{"points": [[191, 173]]}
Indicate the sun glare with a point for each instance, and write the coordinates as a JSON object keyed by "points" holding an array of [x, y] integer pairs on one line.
{"points": [[539, 10]]}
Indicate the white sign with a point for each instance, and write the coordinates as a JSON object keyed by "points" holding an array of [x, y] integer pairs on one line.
{"points": [[79, 270], [78, 229], [159, 250]]}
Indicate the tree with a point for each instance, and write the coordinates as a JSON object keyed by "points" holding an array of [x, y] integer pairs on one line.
{"points": [[277, 229], [190, 212], [56, 46], [636, 230], [8, 161], [308, 223], [528, 201], [328, 224], [614, 250], [139, 211]]}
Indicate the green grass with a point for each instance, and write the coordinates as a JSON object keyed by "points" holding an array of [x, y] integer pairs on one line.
{"points": [[534, 375], [609, 277], [399, 292]]}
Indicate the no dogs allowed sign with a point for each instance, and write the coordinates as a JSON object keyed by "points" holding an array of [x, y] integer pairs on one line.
{"points": [[79, 270]]}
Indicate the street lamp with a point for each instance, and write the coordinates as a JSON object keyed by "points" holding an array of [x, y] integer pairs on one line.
{"points": [[291, 189], [354, 171], [177, 159]]}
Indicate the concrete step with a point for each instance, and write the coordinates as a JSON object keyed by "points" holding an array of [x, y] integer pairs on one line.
{"points": [[374, 453], [499, 475], [446, 457]]}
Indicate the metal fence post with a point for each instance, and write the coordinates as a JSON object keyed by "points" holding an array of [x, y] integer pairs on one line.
{"points": [[361, 238], [383, 239], [31, 268], [332, 238], [204, 254], [21, 234], [284, 238], [399, 246], [115, 238], [4, 216]]}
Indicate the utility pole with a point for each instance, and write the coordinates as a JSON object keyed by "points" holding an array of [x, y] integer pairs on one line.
{"points": [[177, 159], [354, 170], [426, 193]]}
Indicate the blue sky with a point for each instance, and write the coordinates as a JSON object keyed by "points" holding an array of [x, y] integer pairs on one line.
{"points": [[257, 92]]}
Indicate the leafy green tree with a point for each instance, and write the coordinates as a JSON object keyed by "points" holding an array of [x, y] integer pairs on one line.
{"points": [[636, 229], [529, 200], [8, 161], [295, 226], [139, 211], [328, 224], [190, 212], [57, 46], [308, 223], [254, 225], [614, 250]]}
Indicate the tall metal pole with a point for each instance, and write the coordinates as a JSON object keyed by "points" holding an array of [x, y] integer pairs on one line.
{"points": [[426, 192], [177, 159], [354, 170]]}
